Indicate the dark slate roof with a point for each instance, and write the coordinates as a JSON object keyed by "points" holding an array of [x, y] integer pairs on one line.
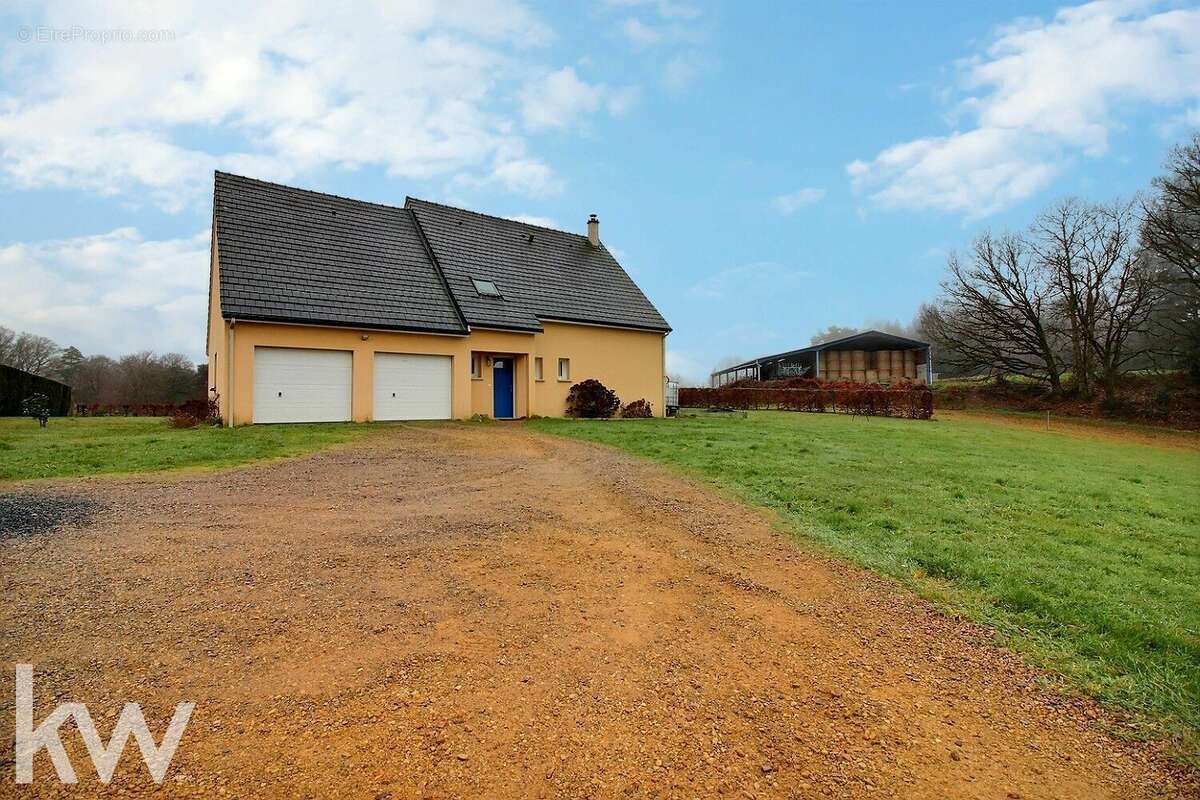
{"points": [[299, 256], [866, 340], [542, 273]]}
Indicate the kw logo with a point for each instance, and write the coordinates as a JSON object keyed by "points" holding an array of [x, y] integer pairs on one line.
{"points": [[30, 740]]}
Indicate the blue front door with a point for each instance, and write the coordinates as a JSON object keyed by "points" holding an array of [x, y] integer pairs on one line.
{"points": [[502, 388]]}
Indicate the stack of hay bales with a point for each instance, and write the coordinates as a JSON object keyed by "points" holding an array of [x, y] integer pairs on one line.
{"points": [[879, 366], [831, 365], [918, 367], [858, 365], [883, 367]]}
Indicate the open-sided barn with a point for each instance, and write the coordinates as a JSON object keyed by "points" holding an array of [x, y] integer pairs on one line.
{"points": [[867, 357]]}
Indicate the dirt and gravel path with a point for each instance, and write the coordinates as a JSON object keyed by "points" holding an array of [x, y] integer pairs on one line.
{"points": [[485, 612]]}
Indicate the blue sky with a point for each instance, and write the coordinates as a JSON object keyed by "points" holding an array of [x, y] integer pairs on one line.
{"points": [[762, 171]]}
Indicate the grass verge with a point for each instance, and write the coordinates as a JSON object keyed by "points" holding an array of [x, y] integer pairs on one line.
{"points": [[74, 446], [1082, 553]]}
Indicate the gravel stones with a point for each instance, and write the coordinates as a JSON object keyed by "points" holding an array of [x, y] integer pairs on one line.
{"points": [[30, 513]]}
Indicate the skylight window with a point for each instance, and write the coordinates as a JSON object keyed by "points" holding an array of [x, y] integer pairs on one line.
{"points": [[486, 288]]}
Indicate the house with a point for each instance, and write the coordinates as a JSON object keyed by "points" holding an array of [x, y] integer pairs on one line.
{"points": [[323, 308], [867, 357]]}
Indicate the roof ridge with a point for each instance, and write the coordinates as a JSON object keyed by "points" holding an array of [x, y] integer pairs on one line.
{"points": [[408, 198], [308, 191]]}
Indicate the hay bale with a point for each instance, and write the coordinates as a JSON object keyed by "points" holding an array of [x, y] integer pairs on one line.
{"points": [[831, 363]]}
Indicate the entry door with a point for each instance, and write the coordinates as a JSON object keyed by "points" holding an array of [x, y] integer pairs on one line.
{"points": [[502, 388], [297, 385], [411, 386]]}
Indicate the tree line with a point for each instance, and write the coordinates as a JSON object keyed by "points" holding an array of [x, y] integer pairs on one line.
{"points": [[1087, 292], [135, 379], [1084, 294]]}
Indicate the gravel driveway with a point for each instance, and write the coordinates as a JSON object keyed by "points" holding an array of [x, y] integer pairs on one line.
{"points": [[482, 611]]}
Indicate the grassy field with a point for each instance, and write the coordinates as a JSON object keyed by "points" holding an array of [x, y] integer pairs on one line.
{"points": [[90, 445], [1082, 551]]}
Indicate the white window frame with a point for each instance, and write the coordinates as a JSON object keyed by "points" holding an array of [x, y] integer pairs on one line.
{"points": [[564, 369], [477, 366], [537, 369]]}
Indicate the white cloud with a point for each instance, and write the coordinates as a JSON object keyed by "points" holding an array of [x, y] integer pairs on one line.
{"points": [[524, 176], [418, 89], [665, 25], [103, 293], [688, 369], [975, 173], [792, 202], [641, 34], [684, 69], [667, 9], [533, 219], [557, 99], [1038, 94], [747, 280], [645, 35]]}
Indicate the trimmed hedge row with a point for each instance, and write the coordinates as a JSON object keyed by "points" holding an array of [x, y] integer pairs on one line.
{"points": [[196, 408], [16, 385], [906, 400]]}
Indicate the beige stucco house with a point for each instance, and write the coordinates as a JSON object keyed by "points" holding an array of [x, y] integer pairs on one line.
{"points": [[323, 308]]}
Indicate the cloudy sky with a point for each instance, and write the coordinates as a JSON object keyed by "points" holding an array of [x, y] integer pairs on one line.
{"points": [[762, 172]]}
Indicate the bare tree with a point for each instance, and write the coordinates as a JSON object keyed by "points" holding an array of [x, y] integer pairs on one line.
{"points": [[910, 330], [97, 380], [1171, 233], [729, 361], [1057, 240], [831, 333], [31, 352], [7, 337], [1103, 286], [994, 312]]}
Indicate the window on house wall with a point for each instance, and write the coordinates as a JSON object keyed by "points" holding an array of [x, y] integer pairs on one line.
{"points": [[537, 368], [476, 365], [564, 369]]}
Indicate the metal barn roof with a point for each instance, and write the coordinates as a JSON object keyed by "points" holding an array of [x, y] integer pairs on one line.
{"points": [[867, 340]]}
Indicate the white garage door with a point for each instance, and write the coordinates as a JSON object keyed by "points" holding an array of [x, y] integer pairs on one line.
{"points": [[411, 386], [294, 385]]}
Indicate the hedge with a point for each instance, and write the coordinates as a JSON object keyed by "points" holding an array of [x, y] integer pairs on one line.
{"points": [[195, 408], [16, 385], [908, 401]]}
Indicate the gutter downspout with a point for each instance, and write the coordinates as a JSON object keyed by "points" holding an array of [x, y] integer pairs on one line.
{"points": [[229, 367], [929, 367]]}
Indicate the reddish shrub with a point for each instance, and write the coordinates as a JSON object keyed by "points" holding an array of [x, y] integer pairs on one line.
{"points": [[638, 409], [592, 399], [182, 420], [207, 411], [907, 400]]}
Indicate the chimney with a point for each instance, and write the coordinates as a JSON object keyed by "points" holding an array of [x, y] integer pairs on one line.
{"points": [[594, 230]]}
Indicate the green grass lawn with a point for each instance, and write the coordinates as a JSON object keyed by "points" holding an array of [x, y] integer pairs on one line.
{"points": [[86, 446], [1083, 552]]}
